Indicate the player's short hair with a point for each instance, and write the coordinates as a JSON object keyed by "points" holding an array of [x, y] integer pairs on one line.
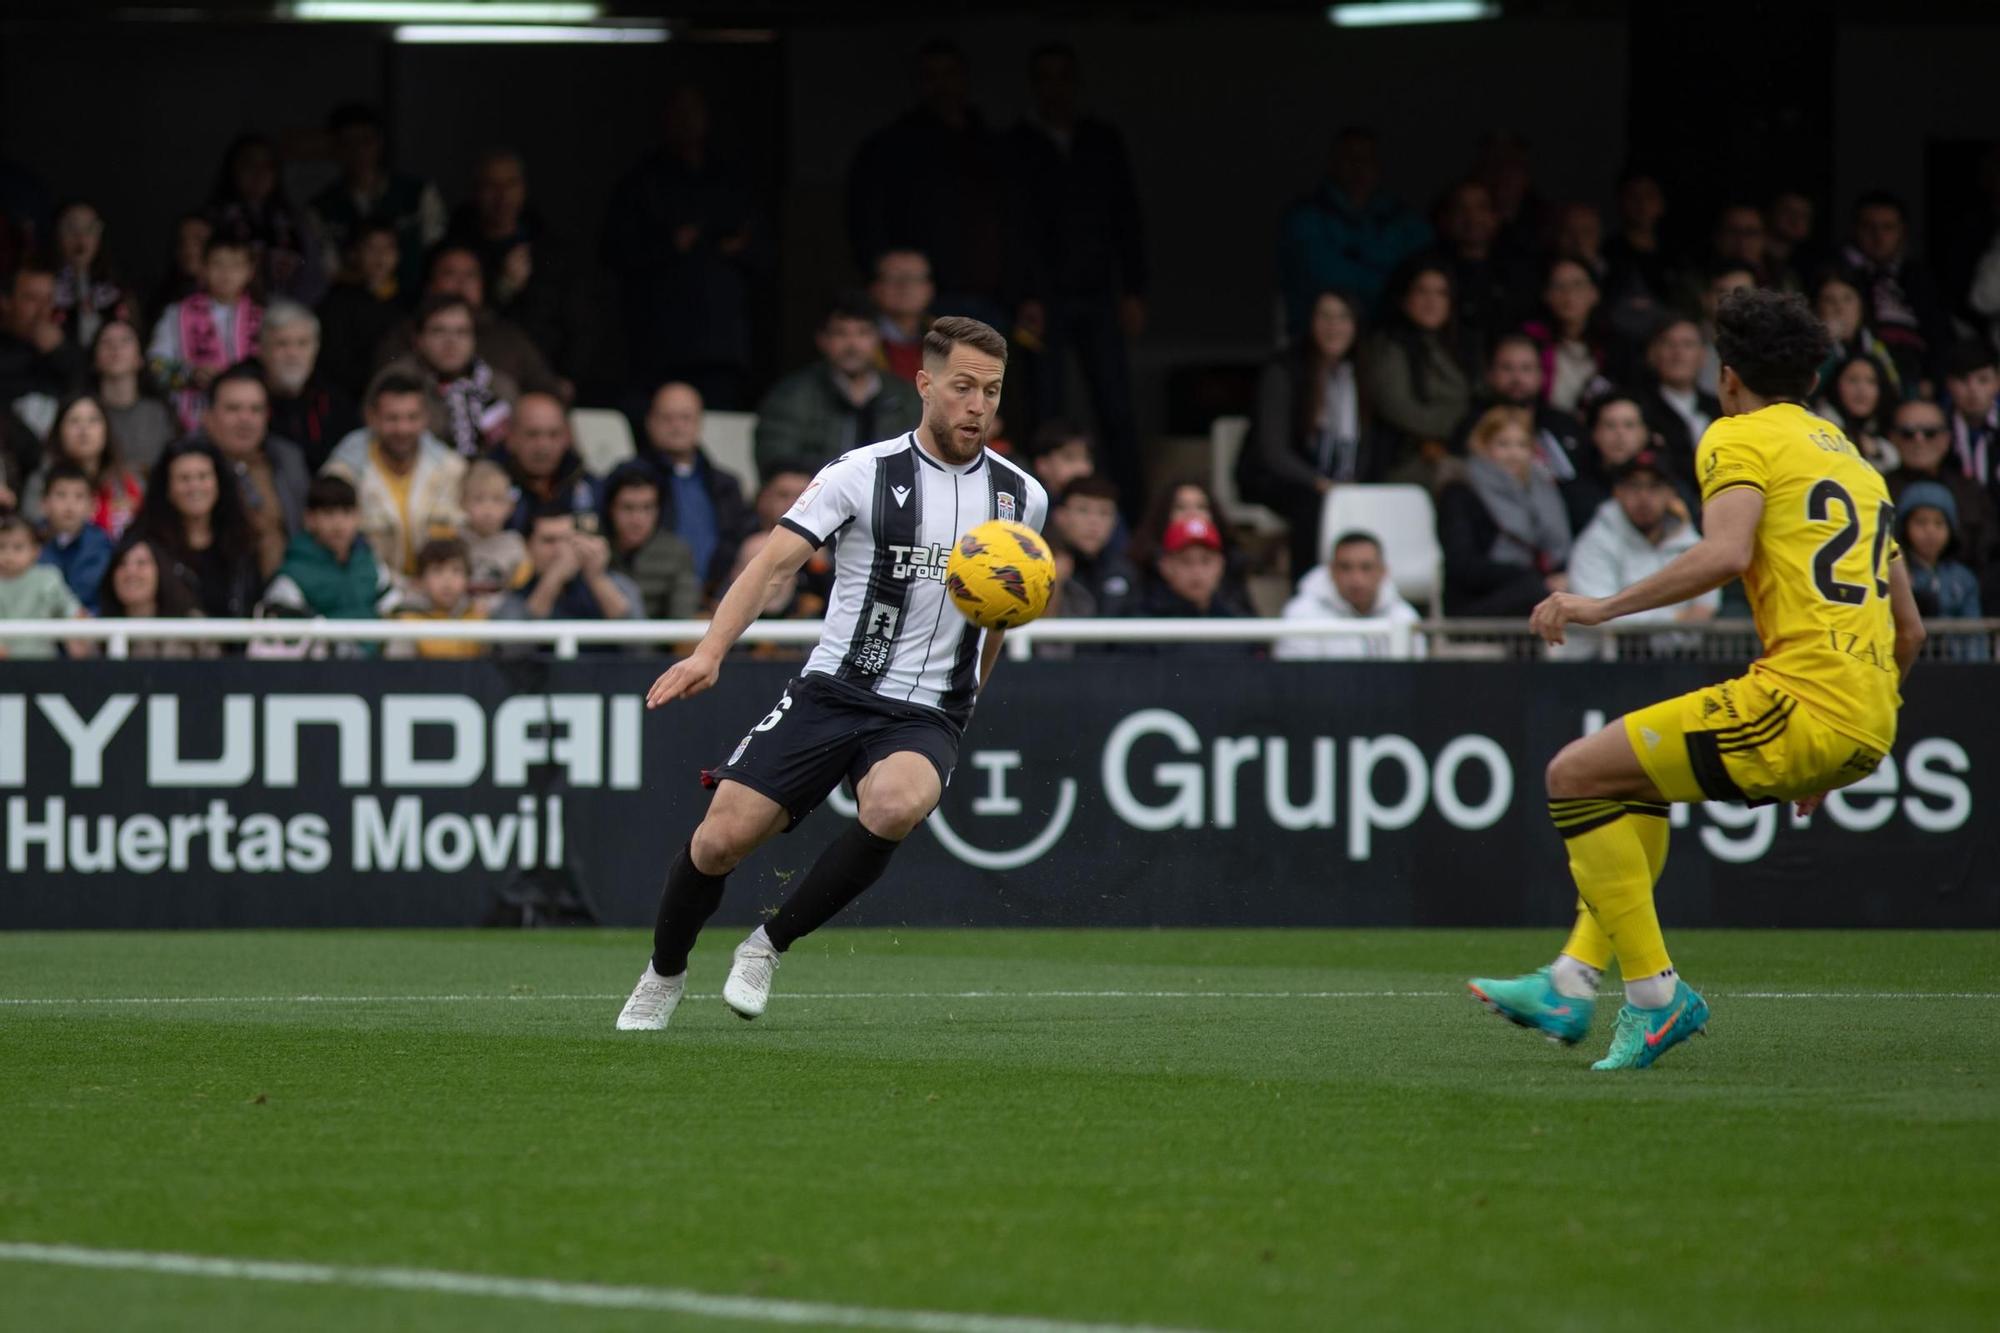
{"points": [[443, 551], [953, 330], [330, 492], [1967, 357], [1356, 537], [1091, 488], [1772, 340]]}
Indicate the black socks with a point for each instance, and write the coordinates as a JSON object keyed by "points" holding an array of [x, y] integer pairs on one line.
{"points": [[849, 865], [689, 900]]}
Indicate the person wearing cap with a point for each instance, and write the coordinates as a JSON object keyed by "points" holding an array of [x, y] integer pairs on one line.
{"points": [[1927, 526], [1188, 583], [1634, 534]]}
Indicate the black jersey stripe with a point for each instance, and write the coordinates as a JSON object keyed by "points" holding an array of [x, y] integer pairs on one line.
{"points": [[890, 525], [963, 687]]}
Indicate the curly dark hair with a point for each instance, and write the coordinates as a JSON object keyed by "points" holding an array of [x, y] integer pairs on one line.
{"points": [[1772, 340]]}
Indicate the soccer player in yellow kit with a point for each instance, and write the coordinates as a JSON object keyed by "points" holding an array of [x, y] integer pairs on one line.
{"points": [[1791, 507]]}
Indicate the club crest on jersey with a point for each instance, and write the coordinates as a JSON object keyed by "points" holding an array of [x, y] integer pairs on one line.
{"points": [[1003, 504], [919, 562]]}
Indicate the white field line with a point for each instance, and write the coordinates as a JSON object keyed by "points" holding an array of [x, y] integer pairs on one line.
{"points": [[58, 1001], [547, 1291]]}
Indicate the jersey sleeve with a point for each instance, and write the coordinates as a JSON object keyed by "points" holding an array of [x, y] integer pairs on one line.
{"points": [[1730, 456], [1037, 511], [836, 497]]}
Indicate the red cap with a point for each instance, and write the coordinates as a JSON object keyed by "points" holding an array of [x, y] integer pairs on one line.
{"points": [[1191, 531]]}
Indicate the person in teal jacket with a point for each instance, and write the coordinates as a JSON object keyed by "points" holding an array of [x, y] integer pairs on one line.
{"points": [[328, 570], [1347, 235]]}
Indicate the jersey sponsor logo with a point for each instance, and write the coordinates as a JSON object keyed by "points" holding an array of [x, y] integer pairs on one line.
{"points": [[872, 657], [919, 562], [1003, 504]]}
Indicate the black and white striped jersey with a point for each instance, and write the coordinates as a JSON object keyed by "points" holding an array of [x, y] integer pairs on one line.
{"points": [[893, 513]]}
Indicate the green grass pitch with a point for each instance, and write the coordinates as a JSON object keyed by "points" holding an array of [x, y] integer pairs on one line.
{"points": [[1261, 1156]]}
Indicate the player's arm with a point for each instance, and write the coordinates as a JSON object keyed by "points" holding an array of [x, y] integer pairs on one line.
{"points": [[778, 563], [989, 654], [1723, 553], [1910, 632]]}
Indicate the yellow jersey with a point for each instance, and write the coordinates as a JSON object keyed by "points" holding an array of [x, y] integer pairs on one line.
{"points": [[1819, 577]]}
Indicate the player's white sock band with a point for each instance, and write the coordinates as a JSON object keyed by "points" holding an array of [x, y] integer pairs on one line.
{"points": [[1573, 978], [1652, 992]]}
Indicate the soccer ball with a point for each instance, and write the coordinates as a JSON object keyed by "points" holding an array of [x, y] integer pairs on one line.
{"points": [[1000, 574]]}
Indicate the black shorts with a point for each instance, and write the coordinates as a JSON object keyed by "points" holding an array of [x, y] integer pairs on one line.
{"points": [[823, 731]]}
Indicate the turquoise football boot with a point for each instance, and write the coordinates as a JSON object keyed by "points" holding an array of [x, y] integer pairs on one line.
{"points": [[1532, 1002], [1644, 1035]]}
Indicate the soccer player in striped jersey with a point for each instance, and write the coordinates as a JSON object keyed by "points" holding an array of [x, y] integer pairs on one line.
{"points": [[885, 696]]}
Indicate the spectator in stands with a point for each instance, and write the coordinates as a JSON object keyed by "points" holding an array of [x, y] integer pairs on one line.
{"points": [[468, 402], [659, 564], [1059, 453], [1972, 380], [1188, 498], [1579, 238], [1416, 370], [1677, 408], [1501, 163], [1640, 275], [138, 587], [442, 594], [197, 339], [1493, 288], [496, 555], [368, 191], [934, 180], [82, 438], [1788, 234], [37, 363], [454, 271], [1903, 300], [137, 412], [526, 268], [31, 591], [270, 471], [1346, 235], [1853, 398], [88, 291], [544, 466], [1739, 240], [570, 576], [1634, 535], [306, 407], [1724, 277], [1923, 448], [700, 503], [1927, 528], [20, 454], [1310, 431], [1069, 599], [902, 292], [248, 204], [407, 480], [1353, 584], [814, 584], [1840, 305], [840, 402], [1085, 518], [196, 522], [328, 570], [1514, 379], [183, 267], [364, 309], [1503, 527], [1617, 431], [1570, 336], [1187, 582], [681, 240], [76, 547]]}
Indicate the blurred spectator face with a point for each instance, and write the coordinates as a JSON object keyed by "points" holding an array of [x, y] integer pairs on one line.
{"points": [[335, 529], [489, 503], [1858, 391], [1189, 502], [1086, 523], [1332, 328], [190, 241], [902, 289], [849, 346], [1644, 497], [225, 272], [1640, 203], [358, 150], [1973, 394], [635, 517], [29, 300], [499, 192], [552, 534], [1055, 82], [540, 436], [1927, 534], [136, 579], [1675, 355], [1620, 432], [444, 584], [777, 495], [1878, 233], [1358, 572], [79, 233], [254, 173], [1063, 464], [1427, 303], [942, 81], [457, 272], [376, 257], [1571, 294], [1790, 218], [191, 486], [118, 353], [18, 550], [1511, 450], [1515, 375], [1353, 166], [446, 343], [82, 433], [1468, 222], [673, 422], [1739, 235], [237, 418], [288, 353], [67, 506], [397, 422], [1581, 231], [1839, 308], [1922, 437]]}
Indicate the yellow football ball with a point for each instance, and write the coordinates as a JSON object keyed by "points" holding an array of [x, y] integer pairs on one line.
{"points": [[1000, 574]]}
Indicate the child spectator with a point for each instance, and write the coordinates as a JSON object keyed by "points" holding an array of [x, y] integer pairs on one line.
{"points": [[1085, 519], [1944, 588], [328, 570], [200, 337], [75, 548], [134, 589], [444, 576], [497, 556], [82, 437], [29, 591]]}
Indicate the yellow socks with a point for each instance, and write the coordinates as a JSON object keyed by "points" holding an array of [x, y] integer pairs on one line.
{"points": [[1614, 861]]}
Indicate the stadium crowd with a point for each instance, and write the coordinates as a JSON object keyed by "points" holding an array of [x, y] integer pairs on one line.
{"points": [[360, 405]]}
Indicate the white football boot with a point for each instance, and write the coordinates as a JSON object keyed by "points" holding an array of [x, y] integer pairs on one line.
{"points": [[653, 1002], [748, 989]]}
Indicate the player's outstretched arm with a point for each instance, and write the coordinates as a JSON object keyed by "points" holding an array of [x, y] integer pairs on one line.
{"points": [[783, 553], [1910, 631], [1723, 553], [989, 654]]}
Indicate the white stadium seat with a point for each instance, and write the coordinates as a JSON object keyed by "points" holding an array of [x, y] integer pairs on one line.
{"points": [[731, 438], [1225, 443], [603, 438], [1404, 520]]}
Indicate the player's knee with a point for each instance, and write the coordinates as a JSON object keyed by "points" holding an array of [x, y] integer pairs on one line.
{"points": [[893, 809], [720, 844], [1564, 775]]}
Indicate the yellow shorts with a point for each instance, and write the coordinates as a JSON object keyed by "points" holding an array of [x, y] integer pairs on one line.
{"points": [[1743, 740]]}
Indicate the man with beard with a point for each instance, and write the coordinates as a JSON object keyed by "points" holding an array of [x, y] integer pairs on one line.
{"points": [[885, 697], [1514, 379], [306, 408]]}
